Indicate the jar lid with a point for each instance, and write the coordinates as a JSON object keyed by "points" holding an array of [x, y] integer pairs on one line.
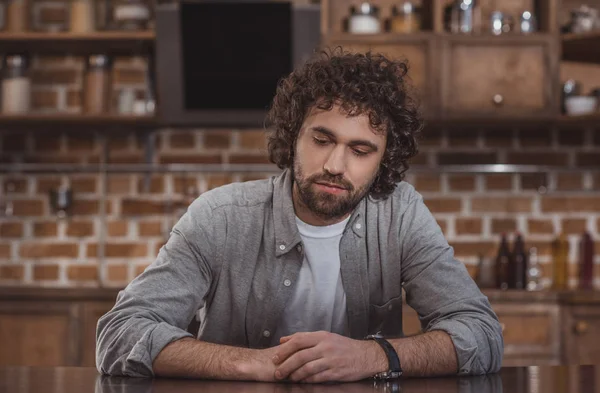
{"points": [[98, 61], [406, 8], [365, 9], [16, 61]]}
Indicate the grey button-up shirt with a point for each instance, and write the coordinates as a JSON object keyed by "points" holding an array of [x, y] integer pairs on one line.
{"points": [[236, 254]]}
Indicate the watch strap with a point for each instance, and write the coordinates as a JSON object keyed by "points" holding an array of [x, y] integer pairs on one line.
{"points": [[395, 370]]}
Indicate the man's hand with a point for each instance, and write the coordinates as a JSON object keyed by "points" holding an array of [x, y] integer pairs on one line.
{"points": [[258, 366], [327, 357]]}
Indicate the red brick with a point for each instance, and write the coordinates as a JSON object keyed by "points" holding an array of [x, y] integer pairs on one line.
{"points": [[81, 142], [53, 14], [569, 181], [5, 251], [431, 137], [15, 186], [120, 250], [45, 184], [117, 228], [461, 182], [118, 272], [74, 98], [119, 184], [472, 249], [420, 159], [218, 180], [248, 159], [11, 229], [253, 139], [466, 158], [84, 185], [12, 272], [156, 186], [544, 248], [119, 142], [501, 204], [80, 228], [54, 76], [82, 273], [126, 158], [150, 228], [14, 143], [28, 208], [54, 159], [217, 140], [83, 207], [253, 176], [129, 76], [191, 159], [498, 138], [45, 229], [443, 224], [47, 143], [137, 207], [533, 181], [506, 225], [574, 226], [535, 158], [540, 226], [462, 137], [139, 269], [570, 204], [425, 182], [185, 185], [182, 140], [572, 137], [535, 138], [49, 250], [45, 272], [443, 205], [44, 99], [588, 159], [468, 226]]}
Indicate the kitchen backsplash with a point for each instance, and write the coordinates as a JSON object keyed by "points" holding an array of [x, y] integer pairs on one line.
{"points": [[37, 248]]}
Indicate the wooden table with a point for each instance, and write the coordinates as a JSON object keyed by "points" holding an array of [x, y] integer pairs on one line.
{"points": [[546, 379]]}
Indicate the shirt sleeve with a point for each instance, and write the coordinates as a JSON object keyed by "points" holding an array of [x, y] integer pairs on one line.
{"points": [[157, 306], [439, 288]]}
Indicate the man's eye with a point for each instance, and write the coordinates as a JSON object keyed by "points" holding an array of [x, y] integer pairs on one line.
{"points": [[320, 141], [360, 152]]}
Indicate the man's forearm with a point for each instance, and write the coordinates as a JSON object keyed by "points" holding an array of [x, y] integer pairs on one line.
{"points": [[428, 354], [190, 358]]}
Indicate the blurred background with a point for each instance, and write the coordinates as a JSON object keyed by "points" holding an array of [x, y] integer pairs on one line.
{"points": [[116, 114]]}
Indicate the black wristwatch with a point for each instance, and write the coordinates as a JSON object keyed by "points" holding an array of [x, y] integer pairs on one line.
{"points": [[395, 371]]}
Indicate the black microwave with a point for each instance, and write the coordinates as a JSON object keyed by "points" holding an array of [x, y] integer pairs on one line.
{"points": [[218, 63]]}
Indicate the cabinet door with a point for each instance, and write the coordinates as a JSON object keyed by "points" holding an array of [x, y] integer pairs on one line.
{"points": [[91, 313], [418, 50], [508, 76], [40, 334], [582, 331]]}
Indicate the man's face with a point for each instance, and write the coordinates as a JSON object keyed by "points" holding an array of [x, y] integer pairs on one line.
{"points": [[336, 161]]}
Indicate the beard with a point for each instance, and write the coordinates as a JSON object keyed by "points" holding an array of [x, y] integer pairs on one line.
{"points": [[324, 204]]}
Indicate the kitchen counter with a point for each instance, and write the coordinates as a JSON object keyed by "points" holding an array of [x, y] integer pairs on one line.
{"points": [[572, 379]]}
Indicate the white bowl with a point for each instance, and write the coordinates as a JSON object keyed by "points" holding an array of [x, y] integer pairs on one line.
{"points": [[581, 105]]}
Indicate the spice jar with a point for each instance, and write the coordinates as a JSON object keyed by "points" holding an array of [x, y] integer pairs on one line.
{"points": [[131, 15], [97, 84], [405, 19], [17, 16], [364, 19], [16, 85], [82, 16]]}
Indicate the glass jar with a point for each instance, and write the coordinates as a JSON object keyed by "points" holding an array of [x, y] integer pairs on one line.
{"points": [[16, 85], [82, 17], [17, 16], [97, 85], [364, 19], [405, 19], [131, 15]]}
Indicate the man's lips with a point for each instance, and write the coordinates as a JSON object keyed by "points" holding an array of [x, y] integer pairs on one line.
{"points": [[331, 185]]}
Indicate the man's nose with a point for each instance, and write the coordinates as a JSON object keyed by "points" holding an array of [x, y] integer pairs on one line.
{"points": [[335, 163]]}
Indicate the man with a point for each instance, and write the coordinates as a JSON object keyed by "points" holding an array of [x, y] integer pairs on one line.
{"points": [[293, 273]]}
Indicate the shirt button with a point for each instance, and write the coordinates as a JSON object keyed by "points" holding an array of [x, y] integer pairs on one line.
{"points": [[299, 247], [390, 307], [282, 247], [358, 226], [287, 283], [267, 333]]}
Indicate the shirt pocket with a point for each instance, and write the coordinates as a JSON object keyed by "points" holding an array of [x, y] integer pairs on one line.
{"points": [[386, 318]]}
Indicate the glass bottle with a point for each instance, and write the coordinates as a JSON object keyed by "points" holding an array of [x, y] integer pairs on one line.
{"points": [[17, 16], [405, 18], [364, 19], [485, 272], [560, 252], [97, 84], [82, 18], [16, 85], [586, 262], [503, 265], [519, 262]]}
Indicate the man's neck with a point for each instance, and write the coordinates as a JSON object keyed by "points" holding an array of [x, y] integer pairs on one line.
{"points": [[304, 213]]}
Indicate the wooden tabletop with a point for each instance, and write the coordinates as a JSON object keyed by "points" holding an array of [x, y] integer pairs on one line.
{"points": [[563, 379]]}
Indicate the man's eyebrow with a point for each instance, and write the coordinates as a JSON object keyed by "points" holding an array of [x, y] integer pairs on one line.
{"points": [[357, 142]]}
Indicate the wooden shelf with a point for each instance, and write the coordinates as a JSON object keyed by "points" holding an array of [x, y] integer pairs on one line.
{"points": [[62, 121], [113, 42], [583, 47], [425, 35]]}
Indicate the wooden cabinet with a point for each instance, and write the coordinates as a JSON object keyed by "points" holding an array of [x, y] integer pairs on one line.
{"points": [[507, 77], [582, 330]]}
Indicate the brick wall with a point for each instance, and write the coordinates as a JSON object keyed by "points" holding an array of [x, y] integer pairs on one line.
{"points": [[36, 248]]}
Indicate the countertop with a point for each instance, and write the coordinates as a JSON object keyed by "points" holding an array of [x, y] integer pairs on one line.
{"points": [[571, 379]]}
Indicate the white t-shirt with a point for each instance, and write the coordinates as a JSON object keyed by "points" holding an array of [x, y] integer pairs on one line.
{"points": [[319, 300]]}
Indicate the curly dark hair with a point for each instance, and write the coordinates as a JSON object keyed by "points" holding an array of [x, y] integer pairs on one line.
{"points": [[365, 83]]}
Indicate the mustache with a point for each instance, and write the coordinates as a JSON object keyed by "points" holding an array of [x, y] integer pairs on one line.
{"points": [[337, 181]]}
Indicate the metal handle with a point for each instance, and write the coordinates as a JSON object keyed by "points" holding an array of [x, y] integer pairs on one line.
{"points": [[498, 99], [581, 327]]}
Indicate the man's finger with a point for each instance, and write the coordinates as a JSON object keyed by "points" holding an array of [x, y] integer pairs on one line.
{"points": [[309, 369], [295, 343], [296, 361], [324, 376]]}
